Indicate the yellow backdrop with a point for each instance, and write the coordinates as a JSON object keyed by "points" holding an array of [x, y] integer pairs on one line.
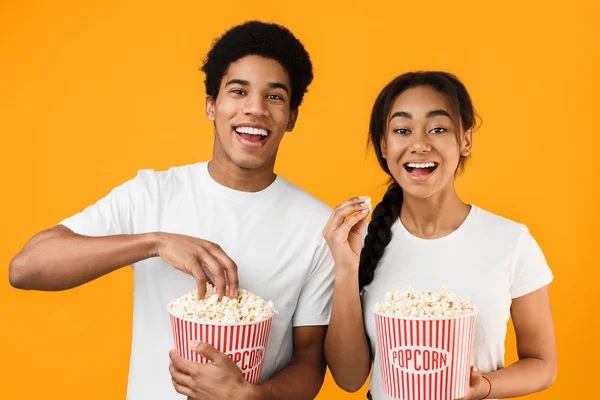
{"points": [[90, 93]]}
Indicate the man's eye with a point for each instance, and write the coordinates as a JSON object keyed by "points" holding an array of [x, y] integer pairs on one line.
{"points": [[238, 91], [274, 97]]}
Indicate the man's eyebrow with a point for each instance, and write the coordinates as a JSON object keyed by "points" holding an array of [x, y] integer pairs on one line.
{"points": [[237, 82], [279, 85]]}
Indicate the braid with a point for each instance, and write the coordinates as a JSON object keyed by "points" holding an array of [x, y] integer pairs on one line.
{"points": [[379, 233]]}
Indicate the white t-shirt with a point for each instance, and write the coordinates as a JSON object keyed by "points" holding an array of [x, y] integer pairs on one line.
{"points": [[274, 237], [489, 259]]}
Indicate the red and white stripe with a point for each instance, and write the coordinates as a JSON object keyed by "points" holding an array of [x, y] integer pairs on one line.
{"points": [[450, 339], [230, 340]]}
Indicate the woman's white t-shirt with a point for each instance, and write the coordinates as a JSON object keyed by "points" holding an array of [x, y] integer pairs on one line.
{"points": [[489, 259]]}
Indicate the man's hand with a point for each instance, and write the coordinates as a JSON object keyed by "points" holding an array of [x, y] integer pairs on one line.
{"points": [[221, 379], [192, 256]]}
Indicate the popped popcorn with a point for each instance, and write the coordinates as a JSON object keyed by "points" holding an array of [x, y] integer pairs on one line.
{"points": [[246, 308], [424, 304]]}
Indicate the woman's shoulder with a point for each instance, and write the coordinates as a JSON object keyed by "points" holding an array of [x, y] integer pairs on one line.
{"points": [[486, 221]]}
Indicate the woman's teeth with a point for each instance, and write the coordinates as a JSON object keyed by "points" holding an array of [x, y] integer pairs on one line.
{"points": [[426, 165]]}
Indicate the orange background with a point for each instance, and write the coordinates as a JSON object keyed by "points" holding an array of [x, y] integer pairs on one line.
{"points": [[90, 93]]}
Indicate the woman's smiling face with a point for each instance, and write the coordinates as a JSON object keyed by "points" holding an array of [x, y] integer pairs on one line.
{"points": [[421, 144]]}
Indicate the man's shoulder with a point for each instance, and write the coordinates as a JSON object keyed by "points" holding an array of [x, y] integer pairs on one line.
{"points": [[172, 175], [306, 202]]}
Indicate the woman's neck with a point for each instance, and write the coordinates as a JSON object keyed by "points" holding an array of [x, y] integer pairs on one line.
{"points": [[433, 217]]}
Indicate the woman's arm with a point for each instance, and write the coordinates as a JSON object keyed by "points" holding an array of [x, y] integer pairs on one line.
{"points": [[536, 347], [346, 346]]}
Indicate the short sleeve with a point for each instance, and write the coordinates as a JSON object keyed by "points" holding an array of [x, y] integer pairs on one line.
{"points": [[529, 269], [117, 212], [314, 303]]}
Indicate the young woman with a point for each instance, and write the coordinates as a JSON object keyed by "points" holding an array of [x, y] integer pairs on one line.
{"points": [[423, 235]]}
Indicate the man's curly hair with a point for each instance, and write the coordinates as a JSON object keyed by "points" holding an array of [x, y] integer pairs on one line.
{"points": [[262, 39]]}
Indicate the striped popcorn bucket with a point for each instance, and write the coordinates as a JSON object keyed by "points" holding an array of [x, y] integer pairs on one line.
{"points": [[425, 359], [245, 344]]}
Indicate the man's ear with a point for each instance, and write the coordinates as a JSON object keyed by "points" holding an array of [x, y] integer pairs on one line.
{"points": [[292, 121], [210, 108]]}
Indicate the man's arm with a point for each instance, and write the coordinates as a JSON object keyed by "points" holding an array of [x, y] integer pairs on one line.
{"points": [[303, 377], [222, 379], [59, 259]]}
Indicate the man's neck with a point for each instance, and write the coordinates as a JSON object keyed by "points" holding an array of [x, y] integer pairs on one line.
{"points": [[230, 175]]}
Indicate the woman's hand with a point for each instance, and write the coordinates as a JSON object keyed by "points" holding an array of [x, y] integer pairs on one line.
{"points": [[344, 231], [479, 387]]}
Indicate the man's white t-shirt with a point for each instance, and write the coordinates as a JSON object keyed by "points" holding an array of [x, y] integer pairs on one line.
{"points": [[274, 237], [489, 259]]}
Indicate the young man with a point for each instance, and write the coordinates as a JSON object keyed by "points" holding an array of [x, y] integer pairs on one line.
{"points": [[231, 218]]}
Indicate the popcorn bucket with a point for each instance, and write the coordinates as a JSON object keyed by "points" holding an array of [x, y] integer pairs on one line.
{"points": [[425, 359], [245, 344]]}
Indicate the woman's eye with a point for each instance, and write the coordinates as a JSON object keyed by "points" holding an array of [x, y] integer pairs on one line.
{"points": [[402, 131], [438, 130]]}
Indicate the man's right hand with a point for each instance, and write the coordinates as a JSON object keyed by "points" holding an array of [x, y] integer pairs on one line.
{"points": [[193, 256]]}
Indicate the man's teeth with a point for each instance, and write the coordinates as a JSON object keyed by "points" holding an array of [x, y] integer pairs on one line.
{"points": [[426, 165], [252, 131]]}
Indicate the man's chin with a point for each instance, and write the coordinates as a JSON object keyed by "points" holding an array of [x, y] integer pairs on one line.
{"points": [[251, 164]]}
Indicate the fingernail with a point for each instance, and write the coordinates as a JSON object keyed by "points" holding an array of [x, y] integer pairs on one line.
{"points": [[363, 197], [364, 211], [194, 343]]}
